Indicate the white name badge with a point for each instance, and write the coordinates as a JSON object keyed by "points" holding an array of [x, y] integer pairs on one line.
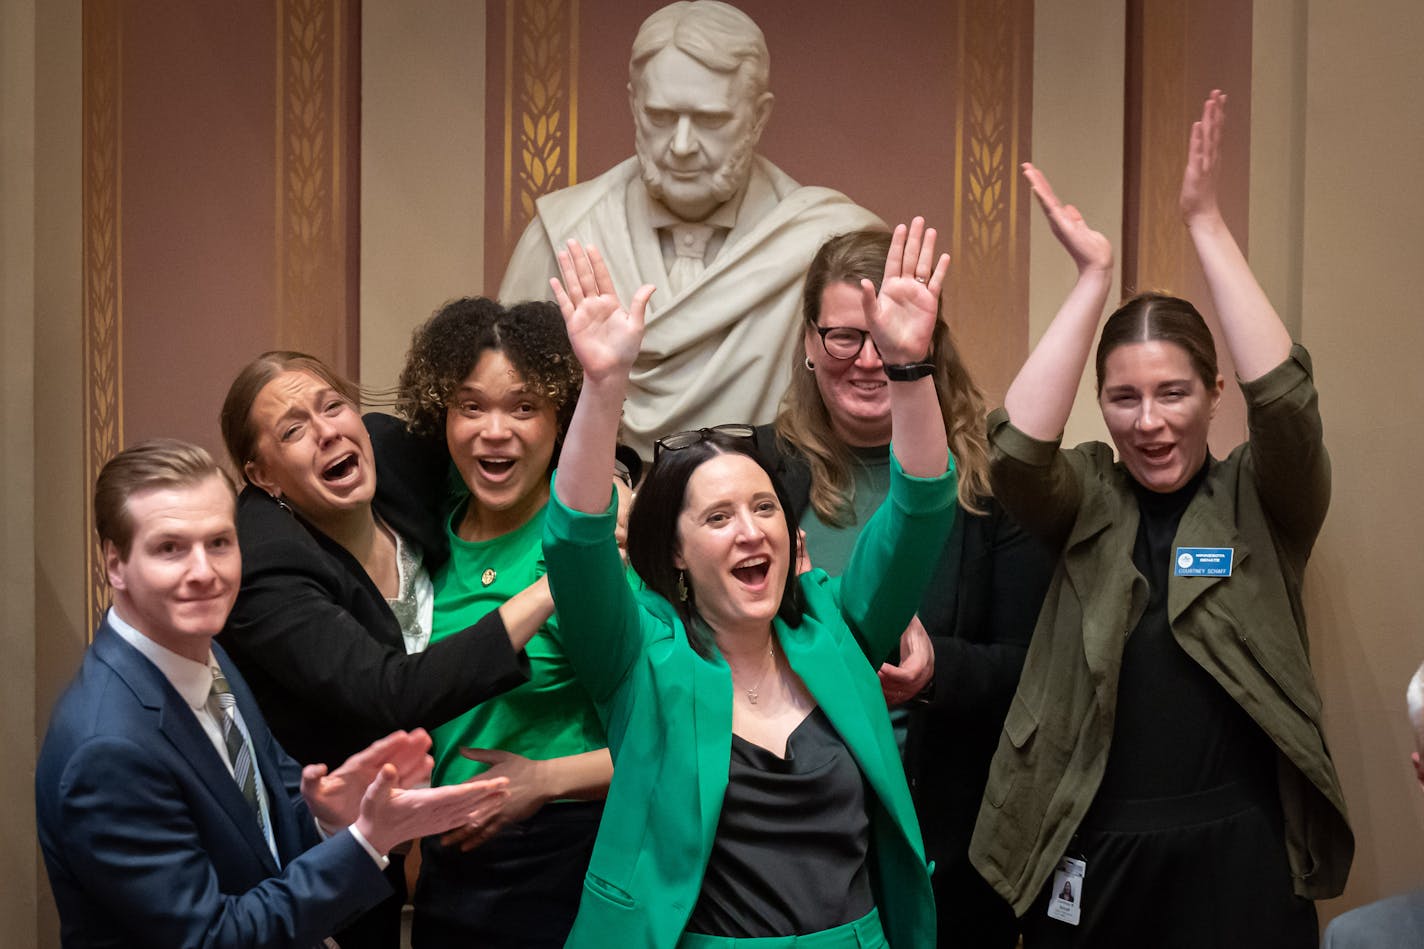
{"points": [[1065, 902], [1203, 561]]}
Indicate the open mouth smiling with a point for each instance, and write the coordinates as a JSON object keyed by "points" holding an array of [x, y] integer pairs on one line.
{"points": [[496, 467], [753, 571], [341, 468]]}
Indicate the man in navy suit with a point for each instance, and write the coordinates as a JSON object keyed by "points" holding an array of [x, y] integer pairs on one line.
{"points": [[168, 815], [1398, 921]]}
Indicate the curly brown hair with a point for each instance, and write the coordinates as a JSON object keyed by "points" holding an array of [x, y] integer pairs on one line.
{"points": [[445, 349]]}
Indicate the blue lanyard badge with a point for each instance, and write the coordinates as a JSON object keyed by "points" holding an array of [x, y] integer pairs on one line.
{"points": [[1203, 562]]}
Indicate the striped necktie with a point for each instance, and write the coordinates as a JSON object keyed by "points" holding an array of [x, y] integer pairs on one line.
{"points": [[222, 705]]}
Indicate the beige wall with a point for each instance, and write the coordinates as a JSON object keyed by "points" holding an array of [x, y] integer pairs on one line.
{"points": [[17, 446], [422, 169], [1079, 59], [1363, 251], [42, 600]]}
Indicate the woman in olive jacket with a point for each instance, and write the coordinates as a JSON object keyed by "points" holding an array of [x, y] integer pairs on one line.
{"points": [[1165, 745]]}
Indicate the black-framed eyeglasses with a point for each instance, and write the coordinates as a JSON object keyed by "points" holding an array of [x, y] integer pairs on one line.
{"points": [[843, 342], [677, 441]]}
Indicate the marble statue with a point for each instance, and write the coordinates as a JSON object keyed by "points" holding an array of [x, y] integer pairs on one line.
{"points": [[723, 233]]}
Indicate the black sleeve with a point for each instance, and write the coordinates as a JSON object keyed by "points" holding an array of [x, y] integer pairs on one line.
{"points": [[412, 485], [980, 650], [308, 637]]}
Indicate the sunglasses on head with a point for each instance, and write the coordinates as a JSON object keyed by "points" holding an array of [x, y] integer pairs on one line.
{"points": [[680, 440]]}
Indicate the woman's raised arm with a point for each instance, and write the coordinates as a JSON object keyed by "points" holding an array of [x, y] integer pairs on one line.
{"points": [[902, 319], [605, 338], [1255, 336], [1041, 395]]}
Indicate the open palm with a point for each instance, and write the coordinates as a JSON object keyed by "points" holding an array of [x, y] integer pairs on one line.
{"points": [[605, 337], [902, 316], [1089, 249]]}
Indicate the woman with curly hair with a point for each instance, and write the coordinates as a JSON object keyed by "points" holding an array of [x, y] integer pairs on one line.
{"points": [[500, 385], [332, 619], [960, 656]]}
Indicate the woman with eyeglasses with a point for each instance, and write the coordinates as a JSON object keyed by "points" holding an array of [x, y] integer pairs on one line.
{"points": [[757, 791], [960, 656]]}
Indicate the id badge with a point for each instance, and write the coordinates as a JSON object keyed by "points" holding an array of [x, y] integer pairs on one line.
{"points": [[1203, 561], [1065, 902]]}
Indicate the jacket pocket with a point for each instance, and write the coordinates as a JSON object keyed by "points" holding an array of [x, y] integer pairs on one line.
{"points": [[1020, 723], [601, 888], [1019, 727]]}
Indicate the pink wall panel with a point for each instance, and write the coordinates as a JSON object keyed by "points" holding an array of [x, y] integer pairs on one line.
{"points": [[198, 208]]}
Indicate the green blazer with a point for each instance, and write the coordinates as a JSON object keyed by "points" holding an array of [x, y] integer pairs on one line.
{"points": [[1267, 501], [668, 713]]}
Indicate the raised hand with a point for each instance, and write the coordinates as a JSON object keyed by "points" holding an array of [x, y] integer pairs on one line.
{"points": [[1089, 249], [604, 336], [1198, 200], [902, 317]]}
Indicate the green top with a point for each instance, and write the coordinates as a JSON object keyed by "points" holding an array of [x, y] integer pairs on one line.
{"points": [[829, 545], [549, 716]]}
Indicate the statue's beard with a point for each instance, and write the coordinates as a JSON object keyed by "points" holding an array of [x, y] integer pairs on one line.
{"points": [[726, 180]]}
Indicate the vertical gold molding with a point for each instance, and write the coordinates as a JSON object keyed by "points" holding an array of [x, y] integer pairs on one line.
{"points": [[103, 273], [310, 209], [540, 99], [990, 133]]}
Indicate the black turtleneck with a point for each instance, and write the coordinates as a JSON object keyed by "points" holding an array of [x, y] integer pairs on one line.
{"points": [[1177, 730]]}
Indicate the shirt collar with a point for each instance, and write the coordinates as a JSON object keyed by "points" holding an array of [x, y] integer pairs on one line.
{"points": [[193, 680]]}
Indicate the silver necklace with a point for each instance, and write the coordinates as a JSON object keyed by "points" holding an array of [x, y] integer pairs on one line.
{"points": [[754, 691]]}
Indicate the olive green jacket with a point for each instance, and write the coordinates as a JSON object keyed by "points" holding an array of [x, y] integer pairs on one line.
{"points": [[1267, 500]]}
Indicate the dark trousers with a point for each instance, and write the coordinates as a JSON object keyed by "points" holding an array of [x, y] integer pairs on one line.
{"points": [[969, 914], [1193, 872], [519, 890]]}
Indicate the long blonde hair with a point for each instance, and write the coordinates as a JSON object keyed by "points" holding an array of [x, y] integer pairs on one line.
{"points": [[804, 423]]}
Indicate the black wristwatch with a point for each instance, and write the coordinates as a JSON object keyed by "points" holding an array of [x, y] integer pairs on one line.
{"points": [[907, 371]]}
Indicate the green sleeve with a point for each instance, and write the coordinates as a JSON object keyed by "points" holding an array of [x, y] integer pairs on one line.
{"points": [[894, 557], [600, 623]]}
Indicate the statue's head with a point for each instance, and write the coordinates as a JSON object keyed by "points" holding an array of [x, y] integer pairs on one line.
{"points": [[697, 84]]}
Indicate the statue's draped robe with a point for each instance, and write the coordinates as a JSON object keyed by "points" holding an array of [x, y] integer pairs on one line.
{"points": [[722, 350]]}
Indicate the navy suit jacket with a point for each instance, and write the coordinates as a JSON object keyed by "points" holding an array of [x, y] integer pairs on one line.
{"points": [[147, 838], [1393, 923]]}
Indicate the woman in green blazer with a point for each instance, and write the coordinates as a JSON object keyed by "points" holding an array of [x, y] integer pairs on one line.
{"points": [[757, 791]]}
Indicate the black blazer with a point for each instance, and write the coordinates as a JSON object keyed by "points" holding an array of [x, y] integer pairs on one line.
{"points": [[979, 609], [315, 638]]}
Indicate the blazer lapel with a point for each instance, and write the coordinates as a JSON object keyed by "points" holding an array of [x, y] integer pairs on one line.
{"points": [[179, 726], [1112, 598], [712, 736]]}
